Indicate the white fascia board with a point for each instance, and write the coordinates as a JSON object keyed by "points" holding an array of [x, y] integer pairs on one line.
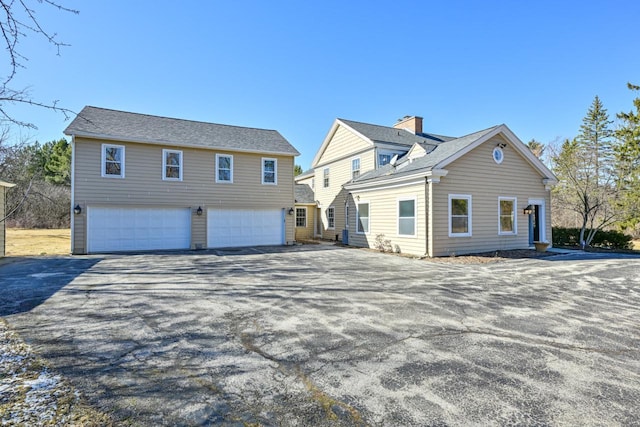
{"points": [[415, 178], [516, 143], [386, 185], [177, 144], [522, 148], [329, 137]]}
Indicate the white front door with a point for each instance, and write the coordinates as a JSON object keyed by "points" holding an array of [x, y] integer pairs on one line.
{"points": [[116, 229], [244, 227]]}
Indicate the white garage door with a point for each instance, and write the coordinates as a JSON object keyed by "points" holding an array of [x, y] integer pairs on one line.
{"points": [[137, 229], [232, 228]]}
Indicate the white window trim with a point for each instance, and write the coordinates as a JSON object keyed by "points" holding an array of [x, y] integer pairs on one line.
{"points": [[104, 159], [334, 217], [325, 178], [493, 155], [166, 151], [359, 167], [415, 216], [275, 171], [358, 203], [515, 217], [218, 155], [305, 217], [469, 199]]}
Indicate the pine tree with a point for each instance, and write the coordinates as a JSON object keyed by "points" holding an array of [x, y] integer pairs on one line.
{"points": [[595, 138], [628, 163], [536, 147]]}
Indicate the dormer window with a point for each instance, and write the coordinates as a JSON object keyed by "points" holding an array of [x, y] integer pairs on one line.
{"points": [[384, 159]]}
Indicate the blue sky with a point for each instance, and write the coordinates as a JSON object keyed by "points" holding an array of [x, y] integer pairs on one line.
{"points": [[295, 66]]}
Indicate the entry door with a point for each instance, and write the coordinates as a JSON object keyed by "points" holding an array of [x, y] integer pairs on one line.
{"points": [[534, 224]]}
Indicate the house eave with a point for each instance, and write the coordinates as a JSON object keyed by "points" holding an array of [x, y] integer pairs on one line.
{"points": [[176, 144], [432, 175]]}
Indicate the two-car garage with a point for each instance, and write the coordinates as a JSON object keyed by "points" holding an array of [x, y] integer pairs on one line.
{"points": [[117, 229]]}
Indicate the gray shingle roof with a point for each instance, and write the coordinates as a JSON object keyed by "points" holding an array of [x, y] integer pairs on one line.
{"points": [[426, 163], [392, 135], [304, 194], [124, 126]]}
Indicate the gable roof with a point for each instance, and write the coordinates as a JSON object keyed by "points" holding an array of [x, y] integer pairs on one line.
{"points": [[102, 123], [304, 194], [447, 152], [376, 134]]}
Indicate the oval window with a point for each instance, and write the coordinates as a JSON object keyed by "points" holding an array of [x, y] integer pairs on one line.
{"points": [[498, 155]]}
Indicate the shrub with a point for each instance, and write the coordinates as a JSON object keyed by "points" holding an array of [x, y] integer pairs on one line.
{"points": [[609, 239], [382, 244]]}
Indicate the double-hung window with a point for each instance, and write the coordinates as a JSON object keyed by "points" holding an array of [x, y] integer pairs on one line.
{"points": [[362, 217], [507, 223], [459, 215], [326, 178], [172, 165], [112, 161], [331, 218], [355, 168], [269, 171], [301, 217], [224, 168], [407, 217]]}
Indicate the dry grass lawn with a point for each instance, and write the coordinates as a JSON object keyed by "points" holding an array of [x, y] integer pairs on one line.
{"points": [[23, 242], [636, 245]]}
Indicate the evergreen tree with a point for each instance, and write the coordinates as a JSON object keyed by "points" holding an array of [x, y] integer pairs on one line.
{"points": [[536, 147], [595, 139], [628, 163], [584, 167]]}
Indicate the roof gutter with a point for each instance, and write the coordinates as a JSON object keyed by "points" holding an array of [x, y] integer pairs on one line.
{"points": [[433, 175]]}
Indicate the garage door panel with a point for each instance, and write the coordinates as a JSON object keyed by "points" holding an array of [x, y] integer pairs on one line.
{"points": [[132, 229], [236, 228]]}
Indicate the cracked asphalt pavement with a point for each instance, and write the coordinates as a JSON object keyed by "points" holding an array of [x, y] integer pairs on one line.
{"points": [[321, 335]]}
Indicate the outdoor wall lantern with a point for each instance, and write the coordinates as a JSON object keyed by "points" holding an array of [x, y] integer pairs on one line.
{"points": [[77, 210], [291, 211], [199, 211], [528, 210]]}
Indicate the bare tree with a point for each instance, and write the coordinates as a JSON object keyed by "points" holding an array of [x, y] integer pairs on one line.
{"points": [[18, 18]]}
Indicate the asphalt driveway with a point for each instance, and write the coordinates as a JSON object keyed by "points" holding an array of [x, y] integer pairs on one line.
{"points": [[321, 335]]}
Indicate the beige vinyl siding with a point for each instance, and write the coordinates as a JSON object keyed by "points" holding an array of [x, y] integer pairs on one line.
{"points": [[383, 218], [476, 174], [343, 147], [335, 195], [307, 181], [304, 233], [343, 143], [143, 184], [2, 222]]}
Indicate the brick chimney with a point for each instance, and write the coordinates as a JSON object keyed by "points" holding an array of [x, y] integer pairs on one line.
{"points": [[411, 123]]}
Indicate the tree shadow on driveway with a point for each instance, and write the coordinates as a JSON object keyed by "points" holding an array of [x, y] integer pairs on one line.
{"points": [[27, 282]]}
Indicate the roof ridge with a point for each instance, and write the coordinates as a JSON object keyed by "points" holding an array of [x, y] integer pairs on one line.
{"points": [[177, 119]]}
